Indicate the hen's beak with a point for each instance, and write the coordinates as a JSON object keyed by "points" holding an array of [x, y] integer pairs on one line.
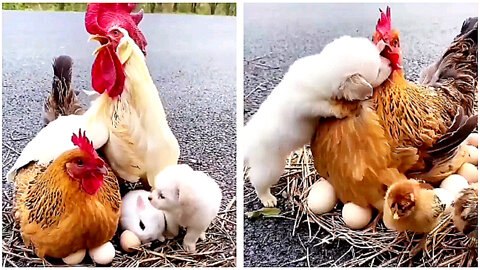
{"points": [[390, 53], [102, 39], [381, 45], [103, 169]]}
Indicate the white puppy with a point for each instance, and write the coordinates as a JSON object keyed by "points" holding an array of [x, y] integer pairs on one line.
{"points": [[189, 199], [348, 68]]}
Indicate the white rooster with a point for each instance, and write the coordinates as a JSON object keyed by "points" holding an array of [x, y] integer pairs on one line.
{"points": [[140, 143]]}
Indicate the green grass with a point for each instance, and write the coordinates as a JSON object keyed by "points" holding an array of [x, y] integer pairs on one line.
{"points": [[228, 9]]}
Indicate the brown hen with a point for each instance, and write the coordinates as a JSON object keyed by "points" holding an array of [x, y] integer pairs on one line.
{"points": [[72, 204], [406, 130]]}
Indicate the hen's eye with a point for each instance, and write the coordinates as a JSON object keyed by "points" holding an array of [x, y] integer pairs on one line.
{"points": [[80, 162], [115, 32], [395, 42], [142, 226]]}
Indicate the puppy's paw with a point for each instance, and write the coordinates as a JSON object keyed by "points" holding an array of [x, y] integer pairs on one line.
{"points": [[169, 235], [190, 247], [268, 200]]}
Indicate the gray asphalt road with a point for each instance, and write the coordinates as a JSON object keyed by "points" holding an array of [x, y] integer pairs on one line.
{"points": [[191, 60], [275, 36]]}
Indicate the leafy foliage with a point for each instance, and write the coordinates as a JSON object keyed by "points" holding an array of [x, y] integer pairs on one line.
{"points": [[228, 9]]}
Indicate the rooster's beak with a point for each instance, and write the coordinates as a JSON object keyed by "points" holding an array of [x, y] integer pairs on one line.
{"points": [[102, 39]]}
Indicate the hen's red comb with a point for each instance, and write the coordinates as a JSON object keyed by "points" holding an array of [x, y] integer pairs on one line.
{"points": [[100, 17], [83, 143], [384, 24]]}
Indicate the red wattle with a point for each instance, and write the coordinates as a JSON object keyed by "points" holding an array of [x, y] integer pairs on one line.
{"points": [[92, 185], [107, 73], [117, 88]]}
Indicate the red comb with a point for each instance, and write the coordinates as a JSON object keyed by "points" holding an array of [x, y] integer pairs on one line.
{"points": [[100, 17], [83, 143], [384, 24]]}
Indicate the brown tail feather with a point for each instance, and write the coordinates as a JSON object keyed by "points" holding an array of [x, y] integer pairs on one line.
{"points": [[456, 73], [62, 99], [445, 150]]}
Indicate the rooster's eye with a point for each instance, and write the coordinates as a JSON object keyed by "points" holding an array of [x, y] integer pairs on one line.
{"points": [[115, 32], [79, 162]]}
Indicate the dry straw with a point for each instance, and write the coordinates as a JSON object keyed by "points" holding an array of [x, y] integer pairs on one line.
{"points": [[218, 250], [375, 245]]}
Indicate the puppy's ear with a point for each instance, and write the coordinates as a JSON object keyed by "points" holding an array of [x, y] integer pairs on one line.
{"points": [[177, 193], [356, 87]]}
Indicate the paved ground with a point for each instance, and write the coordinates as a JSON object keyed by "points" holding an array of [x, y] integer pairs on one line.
{"points": [[191, 60], [275, 36]]}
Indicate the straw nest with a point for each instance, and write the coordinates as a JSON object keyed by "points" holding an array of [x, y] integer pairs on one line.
{"points": [[374, 245], [218, 250]]}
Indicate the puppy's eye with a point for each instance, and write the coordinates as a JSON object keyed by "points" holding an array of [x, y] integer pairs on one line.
{"points": [[161, 196], [142, 226]]}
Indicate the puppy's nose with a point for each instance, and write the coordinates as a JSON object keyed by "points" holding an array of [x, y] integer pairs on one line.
{"points": [[150, 197]]}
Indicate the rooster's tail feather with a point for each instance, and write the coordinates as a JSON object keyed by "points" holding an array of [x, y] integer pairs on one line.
{"points": [[62, 99]]}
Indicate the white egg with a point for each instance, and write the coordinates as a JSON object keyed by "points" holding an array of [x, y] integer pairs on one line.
{"points": [[454, 184], [473, 139], [469, 171], [356, 217], [472, 152], [321, 198], [128, 241], [76, 257], [103, 254], [445, 196]]}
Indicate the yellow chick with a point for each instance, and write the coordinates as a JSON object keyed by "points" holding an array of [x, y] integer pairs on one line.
{"points": [[412, 206]]}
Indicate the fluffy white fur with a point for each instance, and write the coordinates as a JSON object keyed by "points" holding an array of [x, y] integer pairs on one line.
{"points": [[140, 217], [141, 143], [347, 68], [189, 198]]}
